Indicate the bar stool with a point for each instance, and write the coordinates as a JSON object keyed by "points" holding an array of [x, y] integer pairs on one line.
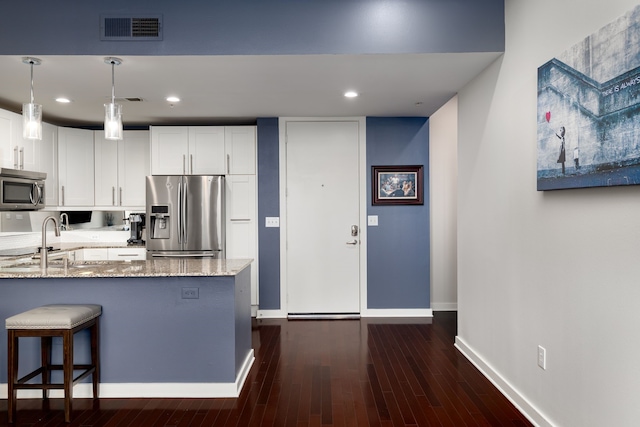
{"points": [[46, 322]]}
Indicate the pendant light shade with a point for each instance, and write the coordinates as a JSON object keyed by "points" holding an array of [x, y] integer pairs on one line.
{"points": [[31, 112], [113, 111]]}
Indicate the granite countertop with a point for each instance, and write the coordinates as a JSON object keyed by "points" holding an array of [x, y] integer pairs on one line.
{"points": [[165, 267]]}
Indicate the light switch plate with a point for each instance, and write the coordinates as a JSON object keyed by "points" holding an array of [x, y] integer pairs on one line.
{"points": [[372, 220], [272, 221]]}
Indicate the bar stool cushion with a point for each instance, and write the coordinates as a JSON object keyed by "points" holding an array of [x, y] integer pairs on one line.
{"points": [[54, 316]]}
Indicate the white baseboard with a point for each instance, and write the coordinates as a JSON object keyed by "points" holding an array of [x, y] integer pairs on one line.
{"points": [[392, 312], [519, 401], [397, 312], [151, 390], [444, 306], [271, 314]]}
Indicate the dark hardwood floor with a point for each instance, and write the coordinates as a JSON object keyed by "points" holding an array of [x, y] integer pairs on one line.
{"points": [[369, 372]]}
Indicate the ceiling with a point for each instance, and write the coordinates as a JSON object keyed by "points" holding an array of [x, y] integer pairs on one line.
{"points": [[238, 89]]}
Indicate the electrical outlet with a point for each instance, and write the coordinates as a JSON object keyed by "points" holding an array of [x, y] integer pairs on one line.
{"points": [[542, 357], [190, 293], [272, 221]]}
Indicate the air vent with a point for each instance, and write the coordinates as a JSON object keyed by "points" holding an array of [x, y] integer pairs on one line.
{"points": [[126, 28]]}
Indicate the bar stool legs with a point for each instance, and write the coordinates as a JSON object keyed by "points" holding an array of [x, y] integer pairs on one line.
{"points": [[58, 321]]}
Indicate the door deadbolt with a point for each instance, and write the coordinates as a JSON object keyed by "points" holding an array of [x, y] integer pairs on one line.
{"points": [[354, 230]]}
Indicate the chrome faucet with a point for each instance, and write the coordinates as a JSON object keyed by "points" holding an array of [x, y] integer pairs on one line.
{"points": [[64, 221], [44, 254]]}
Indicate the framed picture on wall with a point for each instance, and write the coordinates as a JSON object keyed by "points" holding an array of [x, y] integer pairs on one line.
{"points": [[397, 185]]}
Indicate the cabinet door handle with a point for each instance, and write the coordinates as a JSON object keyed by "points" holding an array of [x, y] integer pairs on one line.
{"points": [[15, 157], [228, 163], [120, 196], [183, 164], [113, 196], [21, 157], [240, 219], [62, 189], [191, 163]]}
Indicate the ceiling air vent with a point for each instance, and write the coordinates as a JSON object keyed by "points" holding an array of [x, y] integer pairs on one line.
{"points": [[126, 28]]}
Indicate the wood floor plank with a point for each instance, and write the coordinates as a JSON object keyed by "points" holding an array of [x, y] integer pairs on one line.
{"points": [[367, 372]]}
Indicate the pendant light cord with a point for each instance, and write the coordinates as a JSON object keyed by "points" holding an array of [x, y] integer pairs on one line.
{"points": [[113, 82], [31, 62]]}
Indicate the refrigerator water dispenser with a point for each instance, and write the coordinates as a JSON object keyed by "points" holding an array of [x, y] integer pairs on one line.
{"points": [[160, 222]]}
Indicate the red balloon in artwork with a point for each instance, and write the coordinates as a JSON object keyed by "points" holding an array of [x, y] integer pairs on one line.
{"points": [[548, 116]]}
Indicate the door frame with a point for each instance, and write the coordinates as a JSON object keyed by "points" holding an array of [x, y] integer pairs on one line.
{"points": [[362, 166]]}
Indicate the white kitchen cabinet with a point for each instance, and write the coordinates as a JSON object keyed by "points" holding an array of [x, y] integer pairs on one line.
{"points": [[75, 167], [16, 152], [120, 169], [191, 150], [109, 254], [241, 223], [91, 254], [126, 254], [6, 135], [240, 150], [48, 162]]}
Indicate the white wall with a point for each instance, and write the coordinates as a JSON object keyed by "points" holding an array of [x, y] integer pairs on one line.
{"points": [[557, 269], [443, 179]]}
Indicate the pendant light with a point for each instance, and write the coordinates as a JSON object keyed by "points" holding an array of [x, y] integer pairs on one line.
{"points": [[113, 111], [31, 112]]}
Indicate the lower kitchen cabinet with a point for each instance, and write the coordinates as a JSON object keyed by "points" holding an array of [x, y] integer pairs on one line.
{"points": [[109, 254]]}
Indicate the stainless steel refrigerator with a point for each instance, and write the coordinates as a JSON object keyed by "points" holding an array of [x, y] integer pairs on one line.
{"points": [[185, 216]]}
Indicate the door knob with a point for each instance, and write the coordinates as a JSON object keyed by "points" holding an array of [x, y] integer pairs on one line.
{"points": [[352, 242]]}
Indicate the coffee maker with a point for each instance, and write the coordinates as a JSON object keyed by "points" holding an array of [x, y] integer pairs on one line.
{"points": [[137, 226]]}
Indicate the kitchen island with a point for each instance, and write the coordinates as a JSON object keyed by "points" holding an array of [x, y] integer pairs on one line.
{"points": [[169, 327]]}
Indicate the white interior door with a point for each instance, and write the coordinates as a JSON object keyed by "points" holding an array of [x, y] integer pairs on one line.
{"points": [[322, 203]]}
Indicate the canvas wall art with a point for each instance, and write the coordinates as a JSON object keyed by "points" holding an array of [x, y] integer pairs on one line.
{"points": [[589, 110]]}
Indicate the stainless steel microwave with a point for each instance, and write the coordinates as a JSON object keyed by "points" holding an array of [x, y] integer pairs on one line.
{"points": [[21, 190]]}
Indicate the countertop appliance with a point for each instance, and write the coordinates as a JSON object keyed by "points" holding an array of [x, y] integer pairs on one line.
{"points": [[136, 226], [21, 190], [185, 216]]}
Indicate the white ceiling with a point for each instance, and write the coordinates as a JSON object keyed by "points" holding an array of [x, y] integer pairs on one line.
{"points": [[237, 89]]}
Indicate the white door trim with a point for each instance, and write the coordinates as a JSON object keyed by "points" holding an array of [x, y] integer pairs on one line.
{"points": [[282, 125]]}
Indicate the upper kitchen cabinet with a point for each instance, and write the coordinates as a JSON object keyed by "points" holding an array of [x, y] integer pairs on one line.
{"points": [[17, 153], [120, 170], [48, 162], [75, 167], [240, 149], [191, 150], [34, 155]]}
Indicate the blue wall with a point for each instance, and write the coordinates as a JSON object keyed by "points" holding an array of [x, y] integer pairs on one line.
{"points": [[398, 248], [248, 27], [268, 205]]}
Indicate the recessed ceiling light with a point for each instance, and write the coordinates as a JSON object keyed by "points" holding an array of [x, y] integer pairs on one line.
{"points": [[63, 100], [173, 99], [351, 94]]}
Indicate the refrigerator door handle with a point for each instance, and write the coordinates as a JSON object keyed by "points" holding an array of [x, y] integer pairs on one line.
{"points": [[183, 213], [180, 212]]}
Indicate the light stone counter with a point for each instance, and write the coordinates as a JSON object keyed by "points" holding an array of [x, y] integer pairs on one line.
{"points": [[165, 267]]}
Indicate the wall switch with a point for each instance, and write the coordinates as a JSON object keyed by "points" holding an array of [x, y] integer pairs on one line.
{"points": [[190, 293], [372, 220], [542, 357], [272, 221]]}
